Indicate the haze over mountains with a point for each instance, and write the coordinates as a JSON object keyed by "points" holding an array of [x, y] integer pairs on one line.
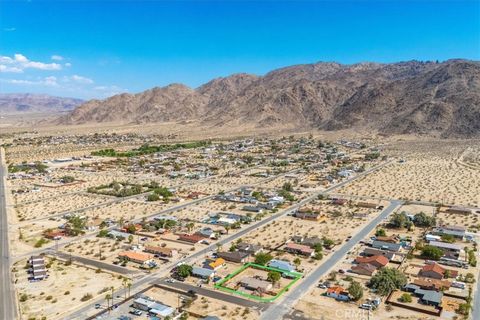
{"points": [[398, 98], [20, 103]]}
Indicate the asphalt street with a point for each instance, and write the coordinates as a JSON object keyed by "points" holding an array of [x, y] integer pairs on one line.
{"points": [[8, 308], [152, 278], [279, 309]]}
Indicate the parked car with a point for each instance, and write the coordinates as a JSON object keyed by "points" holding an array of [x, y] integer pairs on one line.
{"points": [[97, 306], [136, 312]]}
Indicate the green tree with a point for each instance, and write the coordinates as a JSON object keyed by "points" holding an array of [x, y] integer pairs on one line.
{"points": [[297, 262], [380, 233], [406, 298], [274, 277], [431, 252], [184, 270], [387, 280], [263, 258], [355, 290], [422, 220], [399, 220], [130, 238]]}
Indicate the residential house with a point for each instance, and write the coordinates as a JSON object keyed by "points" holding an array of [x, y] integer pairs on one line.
{"points": [[312, 241], [162, 251], [312, 216], [389, 239], [451, 250], [253, 209], [299, 249], [376, 261], [38, 269], [432, 284], [282, 265], [394, 247], [338, 293], [202, 273], [161, 311], [365, 269], [455, 231], [251, 283], [377, 252], [428, 297], [192, 238], [54, 234], [213, 264], [435, 271], [252, 249], [138, 257], [235, 256]]}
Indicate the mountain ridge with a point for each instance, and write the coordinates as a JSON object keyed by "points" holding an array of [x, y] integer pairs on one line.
{"points": [[441, 98], [19, 103]]}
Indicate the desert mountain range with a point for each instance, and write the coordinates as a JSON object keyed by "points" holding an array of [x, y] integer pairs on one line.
{"points": [[397, 98], [19, 103]]}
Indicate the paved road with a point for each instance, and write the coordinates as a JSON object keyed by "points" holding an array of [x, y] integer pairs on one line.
{"points": [[8, 308], [95, 263], [152, 278], [215, 295], [65, 241], [476, 300], [279, 309]]}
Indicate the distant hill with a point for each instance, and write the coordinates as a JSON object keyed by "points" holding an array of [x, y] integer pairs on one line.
{"points": [[399, 98], [18, 103]]}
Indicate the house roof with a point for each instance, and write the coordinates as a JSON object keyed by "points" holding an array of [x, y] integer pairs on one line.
{"points": [[236, 255], [281, 264], [386, 245], [218, 262], [255, 283], [445, 245], [137, 256], [433, 267], [382, 260], [337, 290], [299, 247], [365, 266], [158, 249], [204, 272], [432, 283], [191, 237]]}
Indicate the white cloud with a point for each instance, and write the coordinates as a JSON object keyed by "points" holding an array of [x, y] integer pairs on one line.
{"points": [[56, 57], [68, 64], [50, 81], [81, 79], [20, 58], [19, 62], [4, 68], [9, 29]]}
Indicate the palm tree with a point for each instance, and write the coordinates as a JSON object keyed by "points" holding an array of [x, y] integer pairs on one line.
{"points": [[108, 297], [129, 285], [190, 226], [124, 283], [227, 227]]}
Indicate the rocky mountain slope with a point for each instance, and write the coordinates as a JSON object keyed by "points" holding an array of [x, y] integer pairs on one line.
{"points": [[406, 97], [15, 103]]}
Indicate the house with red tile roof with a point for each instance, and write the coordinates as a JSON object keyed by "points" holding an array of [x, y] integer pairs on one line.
{"points": [[338, 293], [192, 238], [377, 261], [435, 271]]}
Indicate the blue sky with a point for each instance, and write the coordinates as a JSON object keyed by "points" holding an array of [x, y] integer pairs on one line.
{"points": [[92, 49]]}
